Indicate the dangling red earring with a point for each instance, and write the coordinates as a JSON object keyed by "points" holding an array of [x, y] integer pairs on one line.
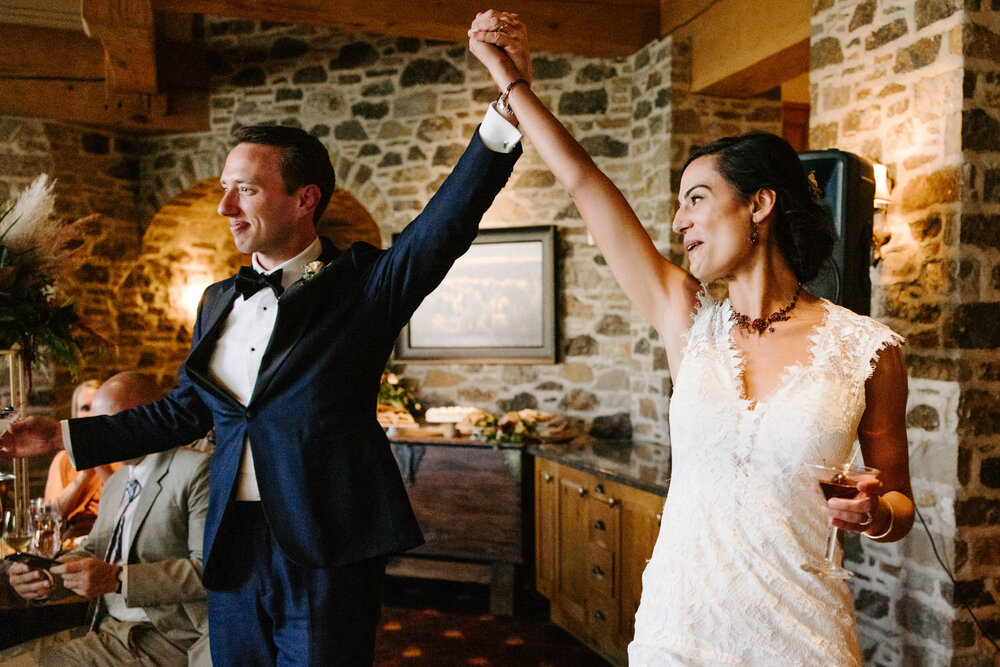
{"points": [[754, 234]]}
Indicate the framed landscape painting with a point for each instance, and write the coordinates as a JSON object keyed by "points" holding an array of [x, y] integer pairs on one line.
{"points": [[497, 303]]}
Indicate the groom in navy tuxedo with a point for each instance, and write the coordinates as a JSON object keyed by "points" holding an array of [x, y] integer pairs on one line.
{"points": [[306, 499]]}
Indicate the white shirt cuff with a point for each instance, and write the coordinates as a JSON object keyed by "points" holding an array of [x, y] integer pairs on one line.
{"points": [[497, 132], [67, 444]]}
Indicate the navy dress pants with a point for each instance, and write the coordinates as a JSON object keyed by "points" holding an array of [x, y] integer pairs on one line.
{"points": [[274, 612]]}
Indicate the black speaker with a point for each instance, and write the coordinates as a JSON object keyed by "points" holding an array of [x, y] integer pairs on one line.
{"points": [[847, 182]]}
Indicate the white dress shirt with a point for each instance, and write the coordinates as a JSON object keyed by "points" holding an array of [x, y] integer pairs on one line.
{"points": [[115, 601], [241, 345]]}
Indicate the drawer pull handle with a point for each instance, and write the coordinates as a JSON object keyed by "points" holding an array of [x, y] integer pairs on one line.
{"points": [[599, 525], [612, 502], [547, 476], [659, 518], [597, 570], [599, 615], [581, 491]]}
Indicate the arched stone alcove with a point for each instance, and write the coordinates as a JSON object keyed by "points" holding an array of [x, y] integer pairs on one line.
{"points": [[187, 247]]}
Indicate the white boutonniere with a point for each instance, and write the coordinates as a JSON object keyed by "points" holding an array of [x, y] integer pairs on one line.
{"points": [[310, 270]]}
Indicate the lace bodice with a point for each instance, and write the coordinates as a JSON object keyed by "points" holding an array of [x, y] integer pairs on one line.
{"points": [[724, 585]]}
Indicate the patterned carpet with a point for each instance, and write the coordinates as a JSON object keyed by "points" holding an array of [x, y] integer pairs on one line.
{"points": [[442, 624]]}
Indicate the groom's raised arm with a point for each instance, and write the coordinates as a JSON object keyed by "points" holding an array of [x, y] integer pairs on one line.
{"points": [[399, 278]]}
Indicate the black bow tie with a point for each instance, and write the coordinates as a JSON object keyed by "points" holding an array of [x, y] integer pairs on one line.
{"points": [[248, 282]]}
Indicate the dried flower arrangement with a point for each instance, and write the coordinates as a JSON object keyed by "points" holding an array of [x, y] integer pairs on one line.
{"points": [[36, 249]]}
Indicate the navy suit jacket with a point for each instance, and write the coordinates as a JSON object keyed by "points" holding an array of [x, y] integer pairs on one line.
{"points": [[330, 488]]}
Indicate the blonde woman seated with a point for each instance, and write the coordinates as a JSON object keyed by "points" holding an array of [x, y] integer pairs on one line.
{"points": [[75, 495]]}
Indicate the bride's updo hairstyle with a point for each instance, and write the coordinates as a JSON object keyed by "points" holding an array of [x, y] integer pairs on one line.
{"points": [[757, 161]]}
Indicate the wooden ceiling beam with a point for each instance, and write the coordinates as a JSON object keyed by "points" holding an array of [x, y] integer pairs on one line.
{"points": [[738, 49], [88, 103], [126, 31], [66, 80], [47, 53], [604, 28]]}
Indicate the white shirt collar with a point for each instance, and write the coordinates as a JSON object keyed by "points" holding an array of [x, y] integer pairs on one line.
{"points": [[293, 269], [142, 470]]}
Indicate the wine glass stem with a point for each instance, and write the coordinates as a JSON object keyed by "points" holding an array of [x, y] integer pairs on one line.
{"points": [[831, 546]]}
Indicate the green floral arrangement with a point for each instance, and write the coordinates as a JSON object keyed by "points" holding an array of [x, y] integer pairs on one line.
{"points": [[394, 394], [513, 427], [35, 250]]}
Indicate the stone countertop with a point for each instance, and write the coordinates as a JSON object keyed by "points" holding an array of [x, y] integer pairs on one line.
{"points": [[644, 466]]}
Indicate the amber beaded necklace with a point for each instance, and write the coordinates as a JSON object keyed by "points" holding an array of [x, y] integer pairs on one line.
{"points": [[761, 324]]}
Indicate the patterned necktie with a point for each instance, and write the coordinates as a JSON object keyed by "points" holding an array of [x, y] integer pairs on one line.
{"points": [[114, 551], [249, 282]]}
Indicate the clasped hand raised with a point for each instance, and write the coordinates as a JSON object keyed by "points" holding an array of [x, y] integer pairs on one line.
{"points": [[500, 41]]}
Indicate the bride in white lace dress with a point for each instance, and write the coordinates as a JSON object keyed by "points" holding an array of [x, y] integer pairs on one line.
{"points": [[763, 381]]}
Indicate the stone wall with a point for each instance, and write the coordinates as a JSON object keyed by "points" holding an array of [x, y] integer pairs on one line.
{"points": [[94, 173], [912, 85], [396, 113]]}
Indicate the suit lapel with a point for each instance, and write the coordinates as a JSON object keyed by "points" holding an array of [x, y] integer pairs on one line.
{"points": [[147, 496], [213, 320], [289, 325]]}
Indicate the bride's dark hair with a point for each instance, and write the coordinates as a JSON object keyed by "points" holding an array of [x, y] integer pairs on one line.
{"points": [[757, 161]]}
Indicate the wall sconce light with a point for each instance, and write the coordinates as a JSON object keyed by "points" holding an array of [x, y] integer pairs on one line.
{"points": [[881, 234]]}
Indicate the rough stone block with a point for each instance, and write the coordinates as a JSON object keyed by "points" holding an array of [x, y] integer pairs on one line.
{"points": [[921, 54], [922, 621], [287, 47], [980, 131], [885, 34], [578, 400], [577, 103], [939, 187], [249, 78], [864, 14], [975, 326], [581, 346], [369, 110], [825, 51], [426, 71], [979, 42], [924, 417], [350, 130], [927, 12], [354, 56], [977, 512], [983, 230], [314, 74]]}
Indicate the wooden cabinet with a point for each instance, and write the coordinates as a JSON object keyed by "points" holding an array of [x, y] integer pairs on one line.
{"points": [[592, 540]]}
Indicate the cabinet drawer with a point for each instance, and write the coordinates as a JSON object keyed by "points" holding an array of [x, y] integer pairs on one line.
{"points": [[602, 617], [600, 573], [603, 519]]}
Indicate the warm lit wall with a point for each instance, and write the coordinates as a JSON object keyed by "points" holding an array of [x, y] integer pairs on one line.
{"points": [[912, 85]]}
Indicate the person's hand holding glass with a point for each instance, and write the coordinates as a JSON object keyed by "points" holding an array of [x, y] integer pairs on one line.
{"points": [[851, 494]]}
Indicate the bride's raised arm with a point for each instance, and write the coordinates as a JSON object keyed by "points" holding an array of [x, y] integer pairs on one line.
{"points": [[662, 291]]}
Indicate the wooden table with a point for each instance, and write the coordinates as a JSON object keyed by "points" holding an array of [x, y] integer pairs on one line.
{"points": [[468, 498]]}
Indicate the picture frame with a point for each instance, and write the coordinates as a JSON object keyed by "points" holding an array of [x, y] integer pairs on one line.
{"points": [[495, 305]]}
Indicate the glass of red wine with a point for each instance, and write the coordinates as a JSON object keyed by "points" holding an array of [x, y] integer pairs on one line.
{"points": [[836, 481]]}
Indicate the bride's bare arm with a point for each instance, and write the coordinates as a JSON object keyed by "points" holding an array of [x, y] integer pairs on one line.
{"points": [[663, 292]]}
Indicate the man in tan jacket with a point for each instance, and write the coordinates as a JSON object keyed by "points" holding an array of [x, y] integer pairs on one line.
{"points": [[141, 564]]}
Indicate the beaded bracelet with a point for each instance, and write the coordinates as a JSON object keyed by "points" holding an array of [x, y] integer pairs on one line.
{"points": [[888, 530], [502, 98]]}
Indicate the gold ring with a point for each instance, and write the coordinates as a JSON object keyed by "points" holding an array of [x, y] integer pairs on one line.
{"points": [[503, 28]]}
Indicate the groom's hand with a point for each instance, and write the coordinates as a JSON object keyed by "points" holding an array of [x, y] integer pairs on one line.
{"points": [[31, 436]]}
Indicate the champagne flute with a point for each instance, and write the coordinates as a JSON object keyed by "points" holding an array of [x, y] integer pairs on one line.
{"points": [[16, 536], [835, 481]]}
